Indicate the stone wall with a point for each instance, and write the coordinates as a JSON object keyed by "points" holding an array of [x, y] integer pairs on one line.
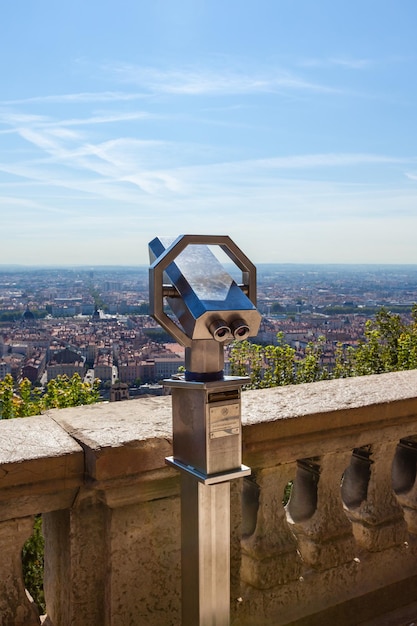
{"points": [[342, 550], [344, 547]]}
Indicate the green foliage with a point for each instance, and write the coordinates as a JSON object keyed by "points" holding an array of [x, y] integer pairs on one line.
{"points": [[25, 399], [273, 366], [12, 316], [384, 348], [277, 308], [389, 345], [407, 350], [309, 369], [280, 364], [246, 360], [344, 361], [98, 300], [63, 392], [287, 492], [32, 562], [407, 344], [7, 397]]}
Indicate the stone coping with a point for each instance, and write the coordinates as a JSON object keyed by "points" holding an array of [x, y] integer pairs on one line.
{"points": [[120, 438], [114, 424], [37, 449], [355, 411], [330, 397]]}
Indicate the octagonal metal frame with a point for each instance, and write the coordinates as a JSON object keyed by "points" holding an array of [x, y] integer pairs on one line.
{"points": [[156, 271]]}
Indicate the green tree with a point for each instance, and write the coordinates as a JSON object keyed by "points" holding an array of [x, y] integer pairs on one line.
{"points": [[380, 350], [344, 361], [33, 563], [63, 391], [309, 368], [388, 345], [246, 359], [407, 350], [370, 355], [239, 358], [276, 307], [25, 399], [407, 344], [266, 366], [280, 361], [7, 402]]}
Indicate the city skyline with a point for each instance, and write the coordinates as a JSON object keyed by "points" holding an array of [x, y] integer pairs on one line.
{"points": [[288, 126]]}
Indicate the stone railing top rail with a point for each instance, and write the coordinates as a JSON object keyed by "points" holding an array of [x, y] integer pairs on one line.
{"points": [[310, 419], [331, 396], [108, 441]]}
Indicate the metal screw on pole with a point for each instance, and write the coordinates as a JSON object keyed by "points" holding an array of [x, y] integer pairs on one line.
{"points": [[208, 310]]}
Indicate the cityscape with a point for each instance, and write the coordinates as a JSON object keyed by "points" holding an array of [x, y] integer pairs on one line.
{"points": [[95, 321]]}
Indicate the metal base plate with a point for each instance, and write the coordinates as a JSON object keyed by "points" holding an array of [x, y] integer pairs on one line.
{"points": [[209, 479]]}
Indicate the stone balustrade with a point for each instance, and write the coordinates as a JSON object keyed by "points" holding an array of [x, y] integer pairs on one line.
{"points": [[323, 532]]}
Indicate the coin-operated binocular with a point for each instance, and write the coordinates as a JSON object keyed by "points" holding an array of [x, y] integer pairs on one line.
{"points": [[211, 309], [206, 301], [208, 310]]}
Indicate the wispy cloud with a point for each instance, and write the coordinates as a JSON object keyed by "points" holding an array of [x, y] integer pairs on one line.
{"points": [[347, 63], [75, 161], [201, 81], [75, 98], [329, 160], [105, 117], [16, 118], [87, 160]]}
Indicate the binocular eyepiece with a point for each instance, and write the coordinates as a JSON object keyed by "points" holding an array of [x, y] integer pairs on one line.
{"points": [[222, 332], [240, 329]]}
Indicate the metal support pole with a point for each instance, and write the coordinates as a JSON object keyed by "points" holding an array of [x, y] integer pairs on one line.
{"points": [[205, 552], [207, 452]]}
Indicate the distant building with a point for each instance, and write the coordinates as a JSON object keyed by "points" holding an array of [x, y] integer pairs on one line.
{"points": [[66, 362], [14, 364], [147, 371], [153, 390], [64, 311], [131, 369], [17, 348], [34, 366], [87, 309], [119, 391], [167, 365], [28, 318], [103, 366], [4, 369]]}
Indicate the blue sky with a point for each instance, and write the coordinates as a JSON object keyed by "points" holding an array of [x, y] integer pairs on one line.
{"points": [[289, 125]]}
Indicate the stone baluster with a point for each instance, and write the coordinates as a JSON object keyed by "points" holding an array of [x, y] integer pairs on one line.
{"points": [[370, 502], [15, 607], [404, 473], [76, 562], [315, 512], [269, 554]]}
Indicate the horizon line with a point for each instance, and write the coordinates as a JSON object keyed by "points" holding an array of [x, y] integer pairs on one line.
{"points": [[87, 266]]}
